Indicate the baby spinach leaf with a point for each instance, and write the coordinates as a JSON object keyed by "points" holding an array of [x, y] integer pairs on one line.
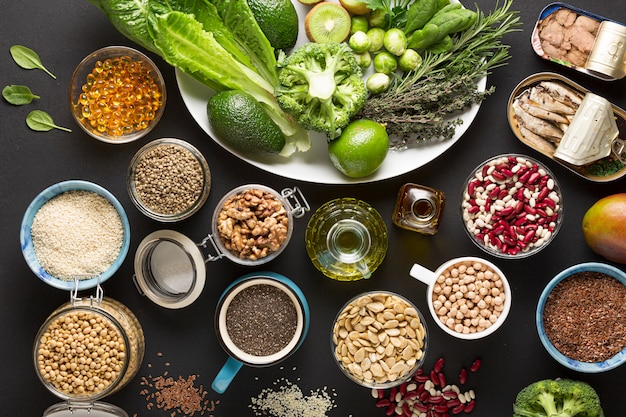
{"points": [[18, 94], [28, 59], [41, 121]]}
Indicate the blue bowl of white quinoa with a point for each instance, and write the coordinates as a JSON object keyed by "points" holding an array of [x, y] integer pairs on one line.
{"points": [[74, 235]]}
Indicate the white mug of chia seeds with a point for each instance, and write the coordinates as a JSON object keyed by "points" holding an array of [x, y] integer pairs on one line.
{"points": [[260, 320], [468, 297]]}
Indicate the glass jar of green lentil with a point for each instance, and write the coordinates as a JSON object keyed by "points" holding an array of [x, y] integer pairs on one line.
{"points": [[168, 180], [88, 349]]}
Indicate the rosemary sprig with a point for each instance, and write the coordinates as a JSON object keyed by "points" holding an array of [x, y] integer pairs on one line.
{"points": [[417, 108]]}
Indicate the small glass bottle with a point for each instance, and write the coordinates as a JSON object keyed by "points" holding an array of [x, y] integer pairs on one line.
{"points": [[419, 208]]}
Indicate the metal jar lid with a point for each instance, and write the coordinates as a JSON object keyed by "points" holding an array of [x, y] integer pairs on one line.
{"points": [[169, 269], [96, 409]]}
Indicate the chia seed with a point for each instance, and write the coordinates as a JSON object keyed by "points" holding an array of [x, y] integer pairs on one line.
{"points": [[585, 316], [261, 320]]}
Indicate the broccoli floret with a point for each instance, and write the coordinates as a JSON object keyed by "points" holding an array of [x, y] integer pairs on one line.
{"points": [[321, 86], [557, 398]]}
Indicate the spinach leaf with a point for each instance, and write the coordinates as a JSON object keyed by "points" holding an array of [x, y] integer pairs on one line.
{"points": [[41, 121], [18, 94], [28, 59]]}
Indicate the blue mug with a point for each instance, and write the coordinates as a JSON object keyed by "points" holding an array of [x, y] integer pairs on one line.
{"points": [[237, 356]]}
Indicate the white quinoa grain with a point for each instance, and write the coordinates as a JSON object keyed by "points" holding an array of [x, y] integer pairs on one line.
{"points": [[77, 232]]}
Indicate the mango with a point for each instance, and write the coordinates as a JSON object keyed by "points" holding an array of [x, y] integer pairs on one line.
{"points": [[604, 227]]}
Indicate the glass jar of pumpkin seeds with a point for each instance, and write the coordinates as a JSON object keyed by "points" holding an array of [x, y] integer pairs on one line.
{"points": [[88, 349]]}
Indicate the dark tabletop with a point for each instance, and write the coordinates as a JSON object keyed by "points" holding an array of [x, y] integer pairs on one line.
{"points": [[63, 32]]}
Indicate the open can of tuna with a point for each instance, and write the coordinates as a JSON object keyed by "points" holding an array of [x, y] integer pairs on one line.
{"points": [[581, 40], [569, 124]]}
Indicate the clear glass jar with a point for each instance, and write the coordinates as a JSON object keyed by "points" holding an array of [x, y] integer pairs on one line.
{"points": [[419, 208], [88, 349], [184, 190], [346, 239]]}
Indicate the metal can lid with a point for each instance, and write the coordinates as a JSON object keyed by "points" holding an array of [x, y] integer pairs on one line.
{"points": [[608, 57], [590, 135], [169, 269]]}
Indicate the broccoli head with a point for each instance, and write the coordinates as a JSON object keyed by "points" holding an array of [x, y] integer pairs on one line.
{"points": [[557, 398], [321, 86]]}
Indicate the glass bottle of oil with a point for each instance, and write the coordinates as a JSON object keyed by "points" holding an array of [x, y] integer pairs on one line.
{"points": [[346, 239], [419, 208]]}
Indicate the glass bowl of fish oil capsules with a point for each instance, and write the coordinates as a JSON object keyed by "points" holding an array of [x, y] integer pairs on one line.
{"points": [[117, 94], [512, 206]]}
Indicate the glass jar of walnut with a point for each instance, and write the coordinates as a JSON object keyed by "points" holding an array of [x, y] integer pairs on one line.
{"points": [[88, 349]]}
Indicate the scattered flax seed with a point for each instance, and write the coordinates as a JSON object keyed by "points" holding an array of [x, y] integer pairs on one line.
{"points": [[179, 395], [289, 401]]}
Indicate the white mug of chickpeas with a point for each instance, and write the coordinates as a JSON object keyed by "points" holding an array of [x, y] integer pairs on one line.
{"points": [[468, 297]]}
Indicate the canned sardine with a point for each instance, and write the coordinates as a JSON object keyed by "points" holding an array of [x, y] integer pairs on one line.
{"points": [[544, 106], [581, 40]]}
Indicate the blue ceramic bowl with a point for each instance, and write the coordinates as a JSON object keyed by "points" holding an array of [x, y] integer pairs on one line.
{"points": [[26, 240], [586, 367]]}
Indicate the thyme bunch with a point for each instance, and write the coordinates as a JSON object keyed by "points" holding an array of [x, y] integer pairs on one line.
{"points": [[420, 107]]}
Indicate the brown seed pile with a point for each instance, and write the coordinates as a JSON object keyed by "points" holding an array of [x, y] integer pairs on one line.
{"points": [[81, 353], [585, 316], [179, 395], [168, 179]]}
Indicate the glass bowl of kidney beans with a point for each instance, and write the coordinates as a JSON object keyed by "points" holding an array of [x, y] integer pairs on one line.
{"points": [[512, 206]]}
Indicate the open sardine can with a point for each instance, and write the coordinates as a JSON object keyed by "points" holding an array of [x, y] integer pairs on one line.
{"points": [[261, 319], [570, 125], [581, 40]]}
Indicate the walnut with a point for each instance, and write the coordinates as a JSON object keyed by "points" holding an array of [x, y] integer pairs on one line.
{"points": [[253, 224]]}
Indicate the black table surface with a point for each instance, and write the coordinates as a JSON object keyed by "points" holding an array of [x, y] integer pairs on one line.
{"points": [[63, 32]]}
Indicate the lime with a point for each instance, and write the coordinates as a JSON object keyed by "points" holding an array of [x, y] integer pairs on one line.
{"points": [[361, 148]]}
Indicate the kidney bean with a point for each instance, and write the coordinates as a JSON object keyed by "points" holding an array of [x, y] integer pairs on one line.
{"points": [[463, 376], [476, 364], [458, 409], [383, 403], [438, 366], [442, 380], [435, 399], [469, 407]]}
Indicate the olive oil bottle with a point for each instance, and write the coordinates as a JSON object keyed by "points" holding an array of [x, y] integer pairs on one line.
{"points": [[346, 239]]}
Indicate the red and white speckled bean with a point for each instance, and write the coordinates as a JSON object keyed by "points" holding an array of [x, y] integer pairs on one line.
{"points": [[511, 205]]}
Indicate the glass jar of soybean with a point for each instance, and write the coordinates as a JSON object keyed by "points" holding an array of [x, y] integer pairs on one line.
{"points": [[85, 350]]}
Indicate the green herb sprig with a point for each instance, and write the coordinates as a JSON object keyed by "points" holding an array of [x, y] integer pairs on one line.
{"points": [[419, 107]]}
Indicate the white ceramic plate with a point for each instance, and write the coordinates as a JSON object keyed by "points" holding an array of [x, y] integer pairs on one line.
{"points": [[314, 165]]}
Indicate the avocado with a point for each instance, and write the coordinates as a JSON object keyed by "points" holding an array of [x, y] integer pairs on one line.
{"points": [[278, 20], [239, 120]]}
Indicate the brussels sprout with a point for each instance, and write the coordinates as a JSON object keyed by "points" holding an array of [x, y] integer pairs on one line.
{"points": [[358, 23], [385, 62], [377, 83], [360, 42], [410, 60], [378, 18], [376, 36], [394, 41], [364, 59]]}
